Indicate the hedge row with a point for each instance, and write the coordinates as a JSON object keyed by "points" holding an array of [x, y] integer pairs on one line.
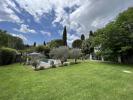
{"points": [[7, 56]]}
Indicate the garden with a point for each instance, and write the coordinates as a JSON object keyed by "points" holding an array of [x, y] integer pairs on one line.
{"points": [[94, 67], [88, 80]]}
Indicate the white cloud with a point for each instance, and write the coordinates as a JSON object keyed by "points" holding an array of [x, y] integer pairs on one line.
{"points": [[20, 36], [96, 14], [7, 13], [45, 33], [71, 38], [89, 15], [25, 29]]}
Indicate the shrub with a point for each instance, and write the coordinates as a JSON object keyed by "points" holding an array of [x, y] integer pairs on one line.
{"points": [[7, 56], [77, 43], [43, 49], [41, 68], [52, 64], [35, 64], [61, 53], [65, 64], [72, 63], [75, 54]]}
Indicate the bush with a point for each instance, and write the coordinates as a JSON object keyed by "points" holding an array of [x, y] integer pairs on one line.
{"points": [[75, 54], [7, 56], [35, 64], [52, 64], [61, 53], [72, 63]]}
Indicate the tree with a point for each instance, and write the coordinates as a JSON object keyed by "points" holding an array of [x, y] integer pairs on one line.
{"points": [[77, 43], [82, 37], [7, 40], [55, 43], [40, 48], [7, 56], [34, 44], [61, 53], [65, 36], [44, 43], [75, 54], [91, 33], [43, 49], [116, 39], [46, 51], [87, 47]]}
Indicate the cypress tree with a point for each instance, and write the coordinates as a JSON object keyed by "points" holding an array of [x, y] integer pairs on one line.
{"points": [[44, 43], [34, 44], [65, 36], [82, 37], [91, 33]]}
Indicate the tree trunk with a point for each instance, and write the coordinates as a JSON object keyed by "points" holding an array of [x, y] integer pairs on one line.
{"points": [[119, 59], [75, 61], [102, 58], [62, 62], [90, 56]]}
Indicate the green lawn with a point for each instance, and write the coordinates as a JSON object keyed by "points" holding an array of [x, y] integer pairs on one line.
{"points": [[84, 81]]}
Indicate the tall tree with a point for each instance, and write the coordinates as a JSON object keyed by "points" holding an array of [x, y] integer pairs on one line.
{"points": [[44, 43], [34, 44], [7, 40], [82, 37], [77, 43], [65, 36], [55, 43], [91, 33], [116, 39]]}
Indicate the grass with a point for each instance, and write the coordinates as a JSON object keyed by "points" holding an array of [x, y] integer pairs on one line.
{"points": [[83, 81]]}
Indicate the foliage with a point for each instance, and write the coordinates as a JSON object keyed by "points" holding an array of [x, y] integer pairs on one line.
{"points": [[44, 43], [61, 53], [52, 64], [91, 33], [7, 56], [65, 36], [43, 49], [34, 44], [87, 47], [35, 63], [117, 37], [40, 48], [7, 40], [77, 43], [82, 37], [75, 54], [55, 43]]}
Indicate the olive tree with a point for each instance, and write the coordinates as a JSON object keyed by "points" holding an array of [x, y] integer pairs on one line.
{"points": [[61, 53], [75, 54]]}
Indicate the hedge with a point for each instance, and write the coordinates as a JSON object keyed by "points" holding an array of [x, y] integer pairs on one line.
{"points": [[7, 56]]}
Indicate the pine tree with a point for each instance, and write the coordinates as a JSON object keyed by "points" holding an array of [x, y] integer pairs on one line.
{"points": [[91, 33], [34, 44], [82, 37], [44, 43], [65, 36]]}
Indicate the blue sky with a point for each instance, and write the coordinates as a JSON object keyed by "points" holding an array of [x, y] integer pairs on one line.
{"points": [[43, 20]]}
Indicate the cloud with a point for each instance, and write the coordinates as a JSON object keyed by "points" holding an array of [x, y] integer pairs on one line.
{"points": [[95, 14], [87, 15], [71, 38], [7, 11], [45, 33], [25, 29], [78, 15], [20, 36]]}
